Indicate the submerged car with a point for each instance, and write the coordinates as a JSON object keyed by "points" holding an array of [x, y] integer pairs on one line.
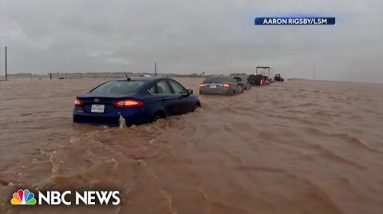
{"points": [[220, 85], [137, 100], [242, 82]]}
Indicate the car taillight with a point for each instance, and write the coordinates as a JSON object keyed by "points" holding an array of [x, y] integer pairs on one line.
{"points": [[203, 85], [226, 85], [127, 103], [78, 103]]}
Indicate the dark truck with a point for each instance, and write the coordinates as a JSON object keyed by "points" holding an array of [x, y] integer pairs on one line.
{"points": [[278, 78]]}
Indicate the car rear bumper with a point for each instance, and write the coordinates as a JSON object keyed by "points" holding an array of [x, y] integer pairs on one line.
{"points": [[131, 116], [96, 120], [218, 91]]}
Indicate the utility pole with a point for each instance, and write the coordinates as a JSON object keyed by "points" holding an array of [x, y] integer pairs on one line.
{"points": [[155, 69], [0, 62], [5, 64], [314, 70]]}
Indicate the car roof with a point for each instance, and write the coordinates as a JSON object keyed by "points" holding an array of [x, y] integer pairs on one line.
{"points": [[219, 77], [145, 79]]}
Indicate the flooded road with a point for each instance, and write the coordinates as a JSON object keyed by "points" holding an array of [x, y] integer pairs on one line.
{"points": [[293, 147]]}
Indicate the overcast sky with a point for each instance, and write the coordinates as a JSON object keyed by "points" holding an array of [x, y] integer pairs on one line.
{"points": [[212, 36]]}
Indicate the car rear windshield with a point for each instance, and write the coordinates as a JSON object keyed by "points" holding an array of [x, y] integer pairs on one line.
{"points": [[238, 79], [218, 80], [118, 87]]}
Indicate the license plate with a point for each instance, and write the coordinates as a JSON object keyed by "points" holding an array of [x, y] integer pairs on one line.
{"points": [[97, 108], [213, 86]]}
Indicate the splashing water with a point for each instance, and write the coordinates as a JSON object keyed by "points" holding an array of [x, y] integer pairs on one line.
{"points": [[122, 122]]}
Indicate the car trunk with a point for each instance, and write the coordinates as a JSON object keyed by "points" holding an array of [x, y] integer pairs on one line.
{"points": [[98, 104], [214, 85]]}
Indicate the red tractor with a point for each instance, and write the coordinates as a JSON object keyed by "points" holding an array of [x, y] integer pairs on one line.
{"points": [[261, 76]]}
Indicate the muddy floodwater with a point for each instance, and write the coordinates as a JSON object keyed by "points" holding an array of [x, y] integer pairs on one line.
{"points": [[292, 147]]}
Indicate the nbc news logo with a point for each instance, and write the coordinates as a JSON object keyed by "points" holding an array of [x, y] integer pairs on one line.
{"points": [[26, 197], [23, 197]]}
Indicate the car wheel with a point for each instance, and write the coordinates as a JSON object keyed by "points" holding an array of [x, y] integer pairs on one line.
{"points": [[233, 93], [197, 105], [159, 115]]}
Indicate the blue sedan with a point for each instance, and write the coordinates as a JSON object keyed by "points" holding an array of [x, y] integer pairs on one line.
{"points": [[137, 100]]}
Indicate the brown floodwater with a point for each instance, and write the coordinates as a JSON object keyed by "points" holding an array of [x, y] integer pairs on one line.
{"points": [[292, 147]]}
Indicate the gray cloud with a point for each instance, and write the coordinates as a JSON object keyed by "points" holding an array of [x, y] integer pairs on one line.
{"points": [[215, 36]]}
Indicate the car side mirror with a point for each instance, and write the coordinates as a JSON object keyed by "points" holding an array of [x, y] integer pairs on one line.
{"points": [[189, 91]]}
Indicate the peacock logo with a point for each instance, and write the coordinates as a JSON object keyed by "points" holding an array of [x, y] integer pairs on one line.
{"points": [[23, 197]]}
